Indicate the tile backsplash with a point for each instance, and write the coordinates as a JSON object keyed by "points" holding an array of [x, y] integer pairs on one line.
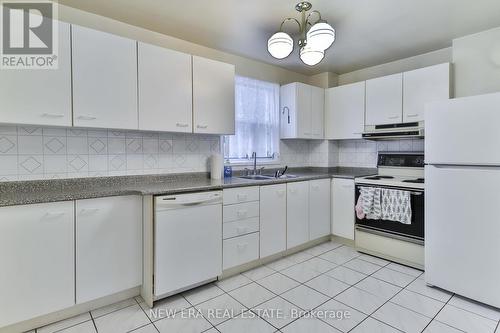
{"points": [[31, 152], [28, 152]]}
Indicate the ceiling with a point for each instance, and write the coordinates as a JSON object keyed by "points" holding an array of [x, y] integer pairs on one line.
{"points": [[369, 32]]}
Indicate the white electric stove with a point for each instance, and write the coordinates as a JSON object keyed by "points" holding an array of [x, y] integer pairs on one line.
{"points": [[403, 243]]}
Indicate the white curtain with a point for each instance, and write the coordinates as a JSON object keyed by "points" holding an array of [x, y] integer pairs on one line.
{"points": [[257, 120]]}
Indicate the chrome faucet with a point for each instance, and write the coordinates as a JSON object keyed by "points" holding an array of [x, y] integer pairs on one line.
{"points": [[255, 171], [254, 157]]}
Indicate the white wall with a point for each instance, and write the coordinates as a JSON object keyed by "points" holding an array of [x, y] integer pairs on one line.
{"points": [[398, 66], [476, 61]]}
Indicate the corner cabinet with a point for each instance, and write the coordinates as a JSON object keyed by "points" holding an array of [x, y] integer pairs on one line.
{"points": [[37, 260], [108, 246], [165, 89], [345, 111], [422, 86], [384, 100], [343, 198], [213, 97], [104, 80], [302, 111], [39, 97]]}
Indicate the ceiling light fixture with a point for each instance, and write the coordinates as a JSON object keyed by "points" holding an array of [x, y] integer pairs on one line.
{"points": [[314, 39]]}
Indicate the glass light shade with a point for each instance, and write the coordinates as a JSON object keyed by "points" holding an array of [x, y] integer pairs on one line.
{"points": [[321, 36], [280, 45], [311, 56]]}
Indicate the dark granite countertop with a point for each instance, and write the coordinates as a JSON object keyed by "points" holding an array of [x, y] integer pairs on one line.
{"points": [[39, 191]]}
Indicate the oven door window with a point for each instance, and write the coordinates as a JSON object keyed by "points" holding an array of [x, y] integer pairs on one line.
{"points": [[413, 230]]}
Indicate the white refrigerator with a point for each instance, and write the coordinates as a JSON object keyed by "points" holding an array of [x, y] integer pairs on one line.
{"points": [[462, 197]]}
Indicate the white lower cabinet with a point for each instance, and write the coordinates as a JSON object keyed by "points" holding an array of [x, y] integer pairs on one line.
{"points": [[319, 208], [108, 246], [240, 250], [36, 260], [343, 207], [272, 219], [297, 211]]}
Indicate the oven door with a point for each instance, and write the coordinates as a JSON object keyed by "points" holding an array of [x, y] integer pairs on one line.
{"points": [[413, 232]]}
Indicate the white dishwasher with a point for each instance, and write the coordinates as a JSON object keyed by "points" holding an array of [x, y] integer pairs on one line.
{"points": [[187, 241]]}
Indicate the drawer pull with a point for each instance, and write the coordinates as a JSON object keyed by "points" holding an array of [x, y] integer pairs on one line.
{"points": [[292, 190], [280, 193], [53, 215], [394, 117], [241, 246], [412, 115], [241, 230], [181, 125], [52, 115], [315, 187], [202, 126], [242, 213], [242, 197], [87, 117], [89, 210]]}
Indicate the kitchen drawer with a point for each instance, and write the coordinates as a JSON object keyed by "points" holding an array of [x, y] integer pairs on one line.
{"points": [[239, 228], [240, 250], [240, 211], [241, 194]]}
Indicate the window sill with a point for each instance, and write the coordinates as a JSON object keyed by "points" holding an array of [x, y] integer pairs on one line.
{"points": [[245, 163]]}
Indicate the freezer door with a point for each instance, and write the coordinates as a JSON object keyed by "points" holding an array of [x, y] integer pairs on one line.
{"points": [[463, 131], [462, 231]]}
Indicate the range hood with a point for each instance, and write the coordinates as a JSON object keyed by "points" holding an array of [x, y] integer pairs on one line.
{"points": [[394, 131]]}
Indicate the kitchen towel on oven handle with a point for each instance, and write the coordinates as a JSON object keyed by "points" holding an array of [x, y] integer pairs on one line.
{"points": [[396, 205], [369, 203]]}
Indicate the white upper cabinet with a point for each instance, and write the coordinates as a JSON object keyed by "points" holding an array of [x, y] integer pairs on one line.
{"points": [[37, 260], [317, 113], [104, 80], [301, 111], [384, 100], [319, 208], [297, 211], [213, 97], [165, 89], [108, 246], [39, 97], [422, 86], [345, 111]]}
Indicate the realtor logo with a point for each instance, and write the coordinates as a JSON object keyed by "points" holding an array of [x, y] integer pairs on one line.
{"points": [[29, 35]]}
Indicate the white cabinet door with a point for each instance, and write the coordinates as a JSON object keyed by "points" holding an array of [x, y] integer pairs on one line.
{"points": [[288, 111], [213, 97], [39, 97], [304, 111], [317, 113], [384, 100], [165, 89], [104, 80], [422, 86], [319, 208], [297, 211], [345, 111], [343, 207], [37, 260], [272, 219], [108, 246]]}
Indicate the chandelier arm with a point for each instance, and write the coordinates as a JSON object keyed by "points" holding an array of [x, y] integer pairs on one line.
{"points": [[290, 19], [314, 12]]}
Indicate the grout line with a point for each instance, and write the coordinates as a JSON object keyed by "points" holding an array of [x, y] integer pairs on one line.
{"points": [[434, 318], [93, 322]]}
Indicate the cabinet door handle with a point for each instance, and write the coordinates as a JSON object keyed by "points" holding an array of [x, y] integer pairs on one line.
{"points": [[315, 187], [87, 117], [413, 115], [280, 193], [181, 125], [202, 126], [89, 210], [242, 197], [293, 191], [241, 230], [242, 246], [53, 215], [242, 213], [52, 115], [394, 117]]}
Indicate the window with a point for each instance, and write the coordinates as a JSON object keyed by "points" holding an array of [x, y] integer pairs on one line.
{"points": [[257, 122]]}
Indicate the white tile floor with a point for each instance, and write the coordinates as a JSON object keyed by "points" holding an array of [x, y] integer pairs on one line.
{"points": [[374, 295]]}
